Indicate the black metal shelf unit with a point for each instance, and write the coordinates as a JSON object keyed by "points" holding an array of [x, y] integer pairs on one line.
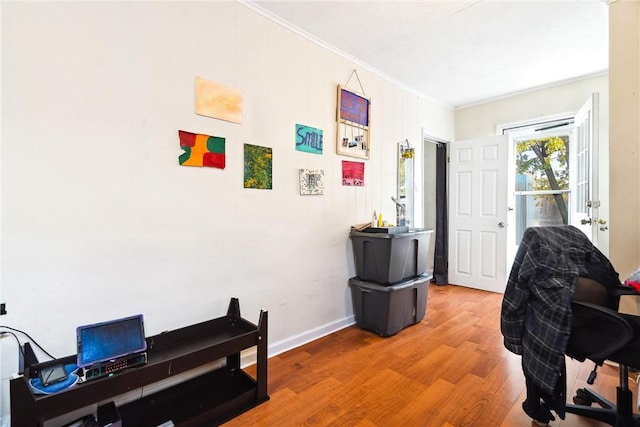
{"points": [[209, 399]]}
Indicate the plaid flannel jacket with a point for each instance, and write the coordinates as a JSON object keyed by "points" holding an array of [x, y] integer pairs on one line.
{"points": [[536, 309]]}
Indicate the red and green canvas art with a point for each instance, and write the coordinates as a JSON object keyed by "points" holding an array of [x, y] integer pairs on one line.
{"points": [[201, 150]]}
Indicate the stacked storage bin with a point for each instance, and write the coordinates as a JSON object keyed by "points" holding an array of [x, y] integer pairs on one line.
{"points": [[390, 288]]}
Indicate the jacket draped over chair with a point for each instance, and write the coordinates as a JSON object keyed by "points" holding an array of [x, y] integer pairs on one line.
{"points": [[536, 309]]}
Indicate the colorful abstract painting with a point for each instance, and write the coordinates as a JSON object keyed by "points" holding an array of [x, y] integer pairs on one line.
{"points": [[311, 181], [201, 150], [218, 101], [352, 173], [257, 167], [308, 139], [353, 107]]}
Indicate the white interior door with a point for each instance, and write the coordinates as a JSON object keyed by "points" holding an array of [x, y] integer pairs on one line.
{"points": [[584, 199], [478, 213]]}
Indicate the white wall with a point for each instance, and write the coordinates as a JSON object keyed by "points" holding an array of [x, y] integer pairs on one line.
{"points": [[624, 65], [99, 220], [481, 119], [624, 60]]}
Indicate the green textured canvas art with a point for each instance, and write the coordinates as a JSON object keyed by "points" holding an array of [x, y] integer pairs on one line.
{"points": [[257, 167]]}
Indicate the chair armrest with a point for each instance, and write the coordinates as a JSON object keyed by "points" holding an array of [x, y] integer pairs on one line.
{"points": [[596, 332], [626, 290]]}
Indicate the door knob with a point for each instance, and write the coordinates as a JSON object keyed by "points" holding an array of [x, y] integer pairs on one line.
{"points": [[501, 224], [593, 221]]}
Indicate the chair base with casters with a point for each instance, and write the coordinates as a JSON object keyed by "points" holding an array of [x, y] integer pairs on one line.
{"points": [[618, 415]]}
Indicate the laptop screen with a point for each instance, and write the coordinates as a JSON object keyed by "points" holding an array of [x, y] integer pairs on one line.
{"points": [[100, 342]]}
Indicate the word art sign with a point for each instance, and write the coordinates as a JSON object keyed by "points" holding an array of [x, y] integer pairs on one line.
{"points": [[308, 139], [352, 173]]}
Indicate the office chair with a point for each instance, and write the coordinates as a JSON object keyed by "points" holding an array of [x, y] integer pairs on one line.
{"points": [[598, 334], [561, 299]]}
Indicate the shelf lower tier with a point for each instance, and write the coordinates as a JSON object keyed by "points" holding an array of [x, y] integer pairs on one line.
{"points": [[207, 400]]}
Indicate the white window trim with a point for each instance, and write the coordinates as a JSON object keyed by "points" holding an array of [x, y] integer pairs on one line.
{"points": [[517, 126]]}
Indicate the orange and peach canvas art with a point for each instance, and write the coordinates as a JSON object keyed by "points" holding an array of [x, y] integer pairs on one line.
{"points": [[218, 101]]}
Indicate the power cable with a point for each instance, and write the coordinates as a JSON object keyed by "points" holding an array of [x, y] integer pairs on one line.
{"points": [[30, 338], [17, 340]]}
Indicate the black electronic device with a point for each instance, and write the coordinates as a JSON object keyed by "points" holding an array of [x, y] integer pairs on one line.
{"points": [[53, 373], [105, 348], [105, 369]]}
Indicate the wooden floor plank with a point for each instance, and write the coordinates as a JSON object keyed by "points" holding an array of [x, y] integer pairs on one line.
{"points": [[448, 370]]}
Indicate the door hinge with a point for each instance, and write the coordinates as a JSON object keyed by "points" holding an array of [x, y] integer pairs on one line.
{"points": [[593, 204]]}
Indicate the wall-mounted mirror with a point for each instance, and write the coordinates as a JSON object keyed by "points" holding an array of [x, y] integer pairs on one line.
{"points": [[405, 197]]}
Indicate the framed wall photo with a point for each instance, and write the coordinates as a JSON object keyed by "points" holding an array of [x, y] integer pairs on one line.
{"points": [[353, 122], [311, 181]]}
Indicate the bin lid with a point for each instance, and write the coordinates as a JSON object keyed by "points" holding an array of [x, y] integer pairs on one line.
{"points": [[387, 230], [354, 281], [390, 235]]}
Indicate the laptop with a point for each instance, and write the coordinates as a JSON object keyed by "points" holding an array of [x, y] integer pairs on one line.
{"points": [[106, 348]]}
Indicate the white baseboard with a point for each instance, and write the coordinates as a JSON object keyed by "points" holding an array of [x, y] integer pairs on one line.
{"points": [[308, 336], [297, 340]]}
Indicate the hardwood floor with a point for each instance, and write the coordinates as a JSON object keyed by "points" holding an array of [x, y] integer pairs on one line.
{"points": [[450, 369]]}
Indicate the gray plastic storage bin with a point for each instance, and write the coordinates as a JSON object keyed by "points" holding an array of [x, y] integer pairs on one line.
{"points": [[390, 258], [388, 309]]}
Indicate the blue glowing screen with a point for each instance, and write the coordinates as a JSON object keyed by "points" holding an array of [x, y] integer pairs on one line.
{"points": [[104, 341]]}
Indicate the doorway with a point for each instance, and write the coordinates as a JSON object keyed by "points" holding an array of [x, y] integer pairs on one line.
{"points": [[553, 174], [554, 182]]}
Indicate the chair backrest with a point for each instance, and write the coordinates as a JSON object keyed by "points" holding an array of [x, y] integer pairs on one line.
{"points": [[596, 331], [590, 291]]}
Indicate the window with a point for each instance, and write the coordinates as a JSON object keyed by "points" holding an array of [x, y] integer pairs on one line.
{"points": [[541, 187], [539, 174]]}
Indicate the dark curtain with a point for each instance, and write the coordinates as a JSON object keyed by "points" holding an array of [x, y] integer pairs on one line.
{"points": [[441, 261]]}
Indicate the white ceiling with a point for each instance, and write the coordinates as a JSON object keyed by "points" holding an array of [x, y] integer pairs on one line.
{"points": [[458, 52]]}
